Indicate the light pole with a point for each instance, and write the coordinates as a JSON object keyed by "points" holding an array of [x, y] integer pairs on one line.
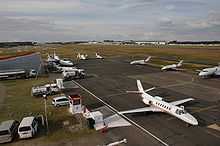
{"points": [[45, 112]]}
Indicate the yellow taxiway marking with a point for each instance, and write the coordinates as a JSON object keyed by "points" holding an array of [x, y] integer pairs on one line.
{"points": [[214, 126]]}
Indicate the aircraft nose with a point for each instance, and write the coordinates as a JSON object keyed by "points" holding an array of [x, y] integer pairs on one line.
{"points": [[192, 120], [202, 74]]}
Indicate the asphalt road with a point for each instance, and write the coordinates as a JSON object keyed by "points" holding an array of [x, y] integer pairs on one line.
{"points": [[110, 78]]}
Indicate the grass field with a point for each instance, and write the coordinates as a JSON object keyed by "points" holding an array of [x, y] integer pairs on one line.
{"points": [[19, 103], [209, 54]]}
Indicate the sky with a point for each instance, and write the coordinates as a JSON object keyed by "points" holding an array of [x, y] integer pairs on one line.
{"points": [[73, 20]]}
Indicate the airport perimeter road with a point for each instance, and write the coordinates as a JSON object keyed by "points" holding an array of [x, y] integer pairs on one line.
{"points": [[108, 79]]}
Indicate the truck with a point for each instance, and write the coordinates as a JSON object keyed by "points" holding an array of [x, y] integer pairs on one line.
{"points": [[17, 73], [48, 89], [73, 74]]}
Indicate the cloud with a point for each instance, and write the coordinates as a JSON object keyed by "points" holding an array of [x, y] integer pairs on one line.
{"points": [[68, 20], [38, 5]]}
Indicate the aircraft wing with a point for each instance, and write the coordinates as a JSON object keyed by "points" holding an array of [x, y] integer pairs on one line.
{"points": [[139, 110], [178, 102], [178, 69]]}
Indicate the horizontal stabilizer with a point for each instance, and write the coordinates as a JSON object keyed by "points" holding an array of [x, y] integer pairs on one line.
{"points": [[179, 69], [134, 92], [149, 89]]}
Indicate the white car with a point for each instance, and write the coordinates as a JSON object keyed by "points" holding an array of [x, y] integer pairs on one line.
{"points": [[60, 101], [28, 127]]}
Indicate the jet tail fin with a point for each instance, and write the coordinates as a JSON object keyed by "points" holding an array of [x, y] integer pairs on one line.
{"points": [[180, 63], [148, 58], [140, 87]]}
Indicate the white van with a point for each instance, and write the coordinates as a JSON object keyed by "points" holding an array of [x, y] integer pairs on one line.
{"points": [[8, 130], [60, 101], [28, 127]]}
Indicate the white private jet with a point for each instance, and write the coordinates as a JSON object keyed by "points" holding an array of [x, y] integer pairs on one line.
{"points": [[141, 62], [82, 56], [98, 56], [65, 62], [55, 56], [173, 66], [65, 68], [57, 60], [157, 104], [207, 72], [50, 58]]}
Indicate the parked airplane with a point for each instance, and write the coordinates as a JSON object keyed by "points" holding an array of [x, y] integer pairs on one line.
{"points": [[61, 69], [141, 62], [50, 58], [82, 56], [55, 56], [65, 62], [173, 66], [157, 104], [57, 60], [98, 56], [207, 72]]}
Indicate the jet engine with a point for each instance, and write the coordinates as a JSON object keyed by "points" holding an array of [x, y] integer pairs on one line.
{"points": [[158, 97], [182, 107], [148, 102]]}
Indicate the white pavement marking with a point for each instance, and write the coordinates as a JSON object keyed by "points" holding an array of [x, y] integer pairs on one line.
{"points": [[125, 117]]}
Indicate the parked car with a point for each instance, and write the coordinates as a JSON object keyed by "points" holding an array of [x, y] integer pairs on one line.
{"points": [[8, 130], [72, 74], [60, 101], [28, 127]]}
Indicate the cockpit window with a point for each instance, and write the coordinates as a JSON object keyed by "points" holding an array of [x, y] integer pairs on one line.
{"points": [[180, 111]]}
